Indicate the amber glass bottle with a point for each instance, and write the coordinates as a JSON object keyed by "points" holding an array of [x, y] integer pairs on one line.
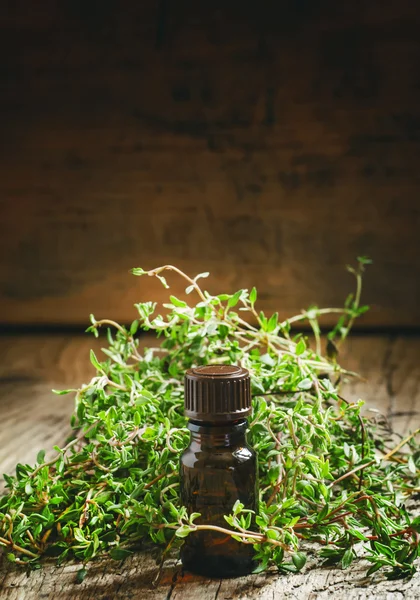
{"points": [[218, 468]]}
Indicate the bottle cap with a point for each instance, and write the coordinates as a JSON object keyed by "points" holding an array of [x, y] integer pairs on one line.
{"points": [[217, 393]]}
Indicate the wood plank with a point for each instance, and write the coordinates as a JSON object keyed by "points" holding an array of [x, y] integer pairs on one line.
{"points": [[133, 580], [32, 418], [269, 147]]}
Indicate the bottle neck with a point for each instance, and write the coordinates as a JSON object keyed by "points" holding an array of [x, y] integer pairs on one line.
{"points": [[218, 434]]}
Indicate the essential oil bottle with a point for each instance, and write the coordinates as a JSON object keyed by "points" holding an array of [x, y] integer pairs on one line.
{"points": [[218, 468]]}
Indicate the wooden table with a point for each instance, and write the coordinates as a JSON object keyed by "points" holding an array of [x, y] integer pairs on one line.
{"points": [[32, 418]]}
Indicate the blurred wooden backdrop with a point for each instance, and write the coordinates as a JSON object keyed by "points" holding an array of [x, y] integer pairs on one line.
{"points": [[267, 142]]}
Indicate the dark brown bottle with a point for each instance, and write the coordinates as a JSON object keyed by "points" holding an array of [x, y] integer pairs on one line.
{"points": [[218, 468]]}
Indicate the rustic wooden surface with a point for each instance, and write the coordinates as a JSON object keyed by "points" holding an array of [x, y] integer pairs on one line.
{"points": [[268, 144], [33, 418]]}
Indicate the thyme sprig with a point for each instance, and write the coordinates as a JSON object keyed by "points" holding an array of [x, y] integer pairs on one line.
{"points": [[323, 479]]}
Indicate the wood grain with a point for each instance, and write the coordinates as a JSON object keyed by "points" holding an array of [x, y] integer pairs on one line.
{"points": [[32, 418], [133, 580], [270, 147]]}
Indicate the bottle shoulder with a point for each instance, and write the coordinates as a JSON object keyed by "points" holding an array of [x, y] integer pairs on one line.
{"points": [[195, 456]]}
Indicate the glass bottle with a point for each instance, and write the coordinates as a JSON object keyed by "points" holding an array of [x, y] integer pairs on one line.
{"points": [[218, 468]]}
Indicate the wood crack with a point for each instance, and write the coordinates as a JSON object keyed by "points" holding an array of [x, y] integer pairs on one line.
{"points": [[172, 587]]}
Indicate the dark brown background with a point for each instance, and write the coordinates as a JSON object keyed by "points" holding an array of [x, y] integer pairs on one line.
{"points": [[268, 142]]}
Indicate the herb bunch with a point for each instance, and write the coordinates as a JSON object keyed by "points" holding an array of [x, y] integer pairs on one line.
{"points": [[326, 474]]}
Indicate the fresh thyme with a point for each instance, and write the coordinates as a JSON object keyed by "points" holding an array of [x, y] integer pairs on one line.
{"points": [[325, 474]]}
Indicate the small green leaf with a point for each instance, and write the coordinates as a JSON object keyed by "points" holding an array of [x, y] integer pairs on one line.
{"points": [[128, 381], [381, 548], [162, 279], [194, 516], [56, 500], [201, 275], [176, 302], [95, 361], [411, 465], [134, 327], [322, 487], [349, 301], [273, 473], [268, 360], [183, 531], [358, 534], [9, 480], [272, 322], [261, 567], [237, 507], [78, 535], [346, 450], [233, 301], [81, 574], [119, 553], [253, 295], [40, 457], [299, 560], [375, 567], [300, 347], [364, 260], [348, 558], [323, 513], [305, 384], [307, 489], [272, 534]]}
